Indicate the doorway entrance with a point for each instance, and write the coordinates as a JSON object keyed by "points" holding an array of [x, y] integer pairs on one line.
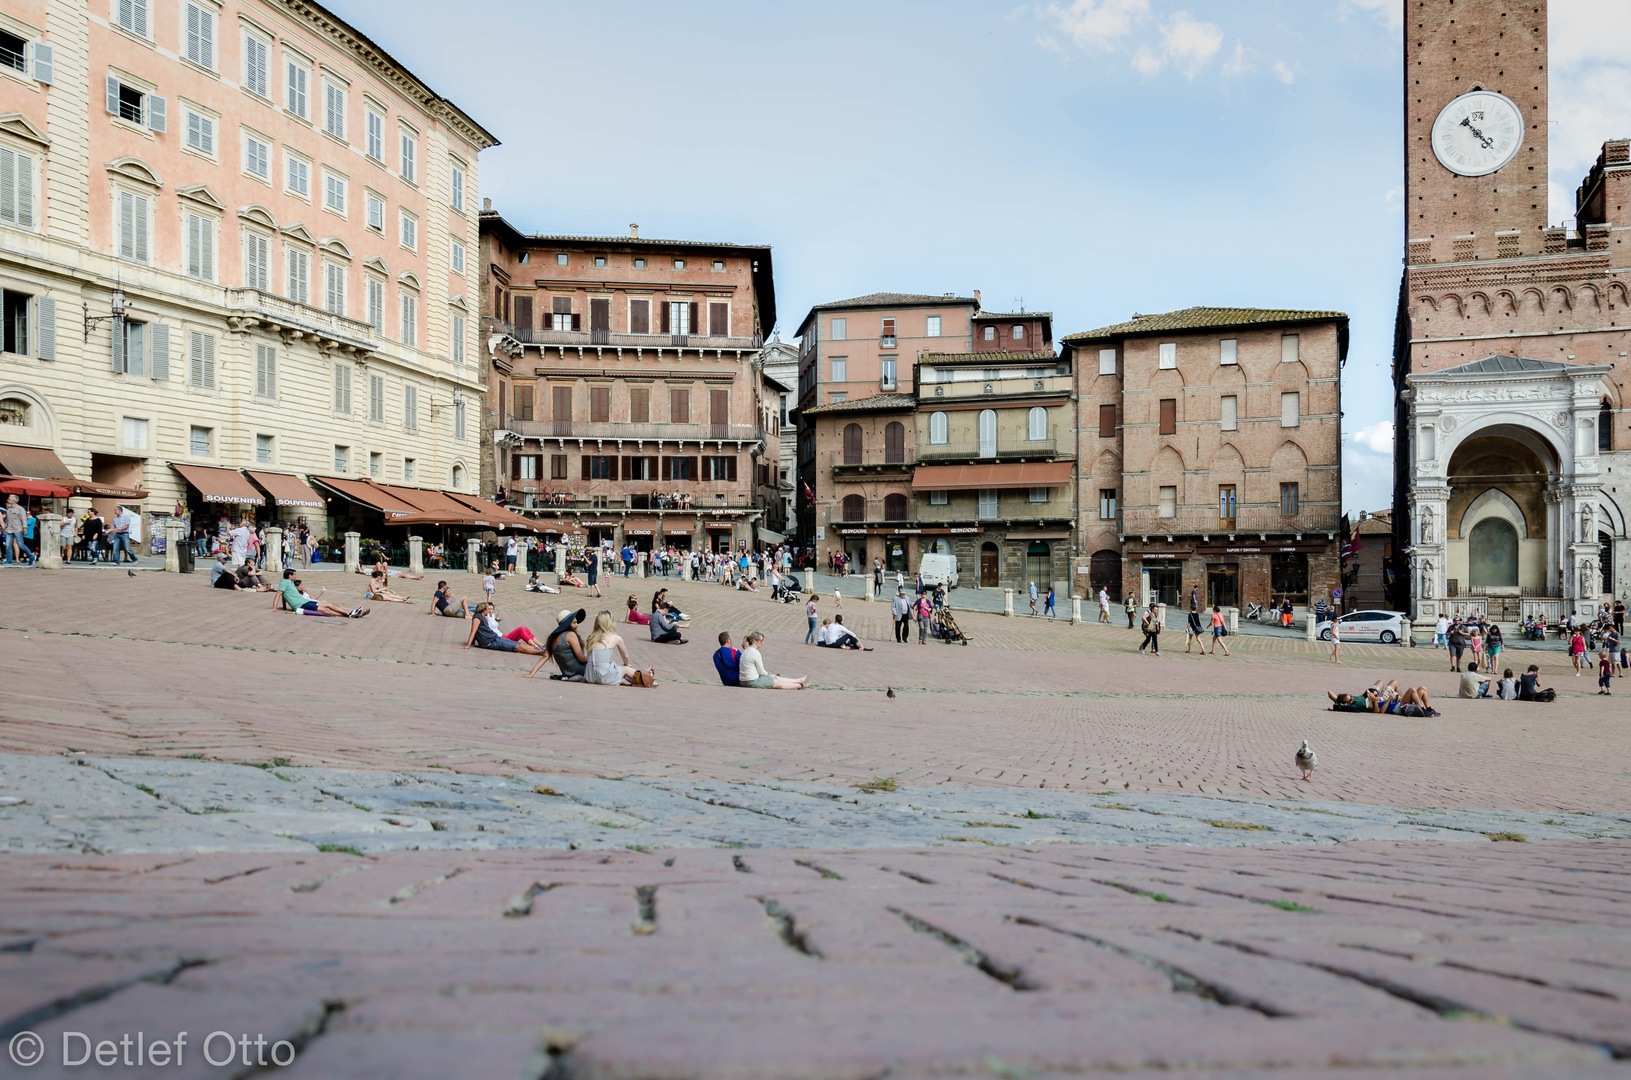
{"points": [[1104, 572], [1223, 584], [1165, 583], [1039, 565], [895, 554], [990, 565], [855, 548]]}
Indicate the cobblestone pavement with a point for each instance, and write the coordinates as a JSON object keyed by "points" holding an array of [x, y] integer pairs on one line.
{"points": [[1361, 960]]}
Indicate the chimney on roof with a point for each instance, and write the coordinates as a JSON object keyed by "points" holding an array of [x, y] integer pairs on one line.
{"points": [[634, 231], [486, 204], [976, 298]]}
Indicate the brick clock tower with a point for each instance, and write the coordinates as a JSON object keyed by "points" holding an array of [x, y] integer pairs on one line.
{"points": [[1508, 352]]}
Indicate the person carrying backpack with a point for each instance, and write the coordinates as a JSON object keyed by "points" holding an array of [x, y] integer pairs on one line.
{"points": [[728, 661]]}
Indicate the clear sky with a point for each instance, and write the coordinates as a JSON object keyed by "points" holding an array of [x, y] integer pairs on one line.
{"points": [[1093, 158]]}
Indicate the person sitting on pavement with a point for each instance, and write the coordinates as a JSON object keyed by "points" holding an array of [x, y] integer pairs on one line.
{"points": [[565, 647], [728, 661], [485, 634], [290, 592], [444, 601], [379, 590], [840, 636], [634, 613], [660, 598], [222, 575], [250, 578], [753, 672], [1474, 685], [1508, 689], [666, 627], [608, 662]]}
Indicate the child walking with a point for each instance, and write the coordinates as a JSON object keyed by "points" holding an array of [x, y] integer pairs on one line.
{"points": [[1605, 672]]}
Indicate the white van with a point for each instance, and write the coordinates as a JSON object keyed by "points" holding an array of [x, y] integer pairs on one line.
{"points": [[938, 570]]}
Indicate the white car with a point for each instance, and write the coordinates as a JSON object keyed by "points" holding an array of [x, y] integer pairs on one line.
{"points": [[1384, 626]]}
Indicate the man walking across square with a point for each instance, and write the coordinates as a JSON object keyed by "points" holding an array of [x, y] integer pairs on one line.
{"points": [[16, 522], [902, 610]]}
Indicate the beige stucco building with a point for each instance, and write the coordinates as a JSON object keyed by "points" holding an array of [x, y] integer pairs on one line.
{"points": [[287, 215]]}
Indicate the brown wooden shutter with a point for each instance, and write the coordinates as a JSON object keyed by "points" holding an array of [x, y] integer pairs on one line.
{"points": [[1169, 416], [586, 466], [1107, 421], [498, 301], [719, 320], [523, 312], [667, 462], [502, 422], [696, 327], [730, 467], [515, 466], [695, 468], [506, 307], [577, 321], [663, 305], [599, 404]]}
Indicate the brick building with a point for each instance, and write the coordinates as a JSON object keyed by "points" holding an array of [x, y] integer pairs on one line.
{"points": [[233, 244], [780, 362], [1368, 569], [863, 348], [1209, 455], [627, 397], [1508, 352]]}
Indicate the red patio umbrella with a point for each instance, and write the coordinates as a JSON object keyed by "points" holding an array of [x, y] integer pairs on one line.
{"points": [[40, 489]]}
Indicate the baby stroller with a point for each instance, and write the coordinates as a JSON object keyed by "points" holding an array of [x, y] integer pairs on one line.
{"points": [[944, 626], [1255, 612]]}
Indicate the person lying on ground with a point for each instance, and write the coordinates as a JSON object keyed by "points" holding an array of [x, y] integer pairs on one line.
{"points": [[608, 662], [485, 634], [1371, 700], [378, 590], [665, 627], [290, 592], [572, 580], [752, 671], [536, 584], [565, 648], [444, 601], [385, 568], [634, 613]]}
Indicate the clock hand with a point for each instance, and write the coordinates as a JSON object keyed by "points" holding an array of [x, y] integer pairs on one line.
{"points": [[1466, 122]]}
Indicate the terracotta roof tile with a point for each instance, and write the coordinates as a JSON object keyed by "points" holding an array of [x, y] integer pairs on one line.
{"points": [[1202, 318], [875, 403], [978, 359]]}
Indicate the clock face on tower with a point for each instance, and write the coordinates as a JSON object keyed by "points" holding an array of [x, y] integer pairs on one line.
{"points": [[1477, 133]]}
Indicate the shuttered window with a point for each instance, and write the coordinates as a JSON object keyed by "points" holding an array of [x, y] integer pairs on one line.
{"points": [[299, 267], [458, 419], [257, 157], [456, 339], [523, 403], [376, 305], [1107, 421], [200, 133], [133, 16], [719, 320], [410, 407], [376, 398], [334, 288], [639, 316], [200, 247], [255, 66], [16, 189], [523, 313], [1169, 416], [342, 389], [376, 136], [201, 36], [257, 262], [133, 226], [938, 434], [561, 409], [410, 152], [201, 360], [410, 320], [679, 406], [1036, 424], [160, 333], [639, 405], [719, 412], [265, 371], [334, 110], [456, 195], [297, 89], [1290, 409], [600, 402]]}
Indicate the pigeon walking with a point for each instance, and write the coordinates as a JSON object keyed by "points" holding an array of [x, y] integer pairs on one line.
{"points": [[1307, 760], [890, 694]]}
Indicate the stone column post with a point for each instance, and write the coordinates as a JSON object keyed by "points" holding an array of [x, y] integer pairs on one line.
{"points": [[640, 564], [560, 562], [1007, 602], [1309, 626], [870, 596], [1161, 616], [809, 580], [1231, 619], [1075, 611], [416, 554], [353, 552], [48, 528], [174, 533], [685, 566], [472, 555], [272, 553]]}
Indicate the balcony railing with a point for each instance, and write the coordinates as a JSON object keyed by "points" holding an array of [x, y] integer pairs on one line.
{"points": [[289, 315], [578, 429], [542, 336], [870, 456], [1008, 449]]}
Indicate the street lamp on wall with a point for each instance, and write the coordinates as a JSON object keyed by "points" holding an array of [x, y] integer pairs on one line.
{"points": [[120, 306]]}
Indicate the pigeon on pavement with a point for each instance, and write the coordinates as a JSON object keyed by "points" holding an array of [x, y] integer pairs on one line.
{"points": [[1307, 760], [890, 694]]}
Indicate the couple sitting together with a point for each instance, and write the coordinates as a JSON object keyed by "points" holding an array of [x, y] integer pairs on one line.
{"points": [[603, 659], [835, 635], [1386, 696], [746, 666]]}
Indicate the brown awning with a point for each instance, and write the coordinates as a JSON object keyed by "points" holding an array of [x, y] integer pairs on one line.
{"points": [[486, 508], [969, 477], [287, 490], [101, 491], [220, 485], [369, 494], [32, 462]]}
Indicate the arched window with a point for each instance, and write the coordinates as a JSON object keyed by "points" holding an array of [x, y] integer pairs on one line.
{"points": [[854, 508], [1492, 554], [894, 443], [458, 477], [852, 444], [1036, 424], [895, 507], [937, 428], [1605, 427], [988, 433], [991, 333]]}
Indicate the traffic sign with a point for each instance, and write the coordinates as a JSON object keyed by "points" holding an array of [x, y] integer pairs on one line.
{"points": [[1336, 594]]}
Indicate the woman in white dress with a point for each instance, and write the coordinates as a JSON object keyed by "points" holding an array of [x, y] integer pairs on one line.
{"points": [[608, 663], [754, 673]]}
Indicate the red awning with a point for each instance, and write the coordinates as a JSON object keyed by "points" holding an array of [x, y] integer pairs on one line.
{"points": [[968, 477], [287, 490], [367, 493], [486, 508], [39, 489], [32, 462], [220, 485]]}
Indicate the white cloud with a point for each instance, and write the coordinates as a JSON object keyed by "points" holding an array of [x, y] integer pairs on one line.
{"points": [[1284, 73], [1580, 31], [1097, 25], [1238, 63], [1377, 438], [1390, 13], [1589, 104], [1394, 199], [1145, 62], [1190, 42]]}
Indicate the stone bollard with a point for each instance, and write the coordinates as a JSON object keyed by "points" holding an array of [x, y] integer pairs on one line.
{"points": [[1409, 634], [1309, 627], [272, 553], [640, 565], [560, 562], [48, 527], [1076, 611], [174, 531], [472, 556], [685, 567], [809, 580], [1008, 602], [1231, 619], [870, 595], [353, 552], [416, 554], [1161, 616]]}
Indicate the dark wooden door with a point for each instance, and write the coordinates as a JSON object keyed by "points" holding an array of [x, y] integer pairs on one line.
{"points": [[990, 566], [561, 414]]}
